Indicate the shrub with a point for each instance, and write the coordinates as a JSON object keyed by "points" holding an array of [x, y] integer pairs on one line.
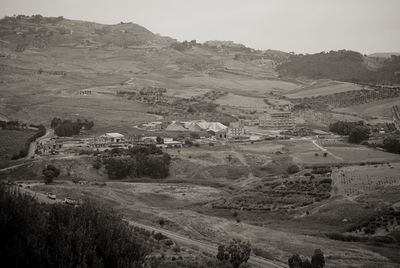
{"points": [[293, 169], [50, 172]]}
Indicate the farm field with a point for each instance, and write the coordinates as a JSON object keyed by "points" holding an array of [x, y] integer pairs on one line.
{"points": [[357, 154], [12, 141], [234, 84], [110, 113], [378, 111], [321, 88], [241, 101], [186, 93], [358, 180]]}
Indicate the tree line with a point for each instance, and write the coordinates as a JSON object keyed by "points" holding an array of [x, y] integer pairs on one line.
{"points": [[342, 65], [136, 162], [68, 128], [357, 131]]}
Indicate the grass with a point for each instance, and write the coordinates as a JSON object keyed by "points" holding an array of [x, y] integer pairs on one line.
{"points": [[12, 141]]}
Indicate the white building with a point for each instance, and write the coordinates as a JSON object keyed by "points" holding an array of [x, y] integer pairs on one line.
{"points": [[113, 137]]}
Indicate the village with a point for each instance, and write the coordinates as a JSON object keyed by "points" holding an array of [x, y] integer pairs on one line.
{"points": [[177, 134]]}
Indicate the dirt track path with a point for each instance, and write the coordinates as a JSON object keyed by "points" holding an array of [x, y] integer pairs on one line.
{"points": [[33, 145], [325, 150], [206, 246]]}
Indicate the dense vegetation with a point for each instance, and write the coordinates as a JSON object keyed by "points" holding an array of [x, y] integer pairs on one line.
{"points": [[391, 144], [67, 128], [236, 253], [342, 65], [138, 161], [317, 261], [36, 235], [357, 131]]}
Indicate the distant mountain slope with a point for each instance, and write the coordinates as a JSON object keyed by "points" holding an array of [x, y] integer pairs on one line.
{"points": [[343, 65], [40, 32], [384, 54]]}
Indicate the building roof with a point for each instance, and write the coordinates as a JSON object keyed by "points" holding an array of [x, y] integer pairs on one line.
{"points": [[174, 126], [216, 127], [114, 135]]}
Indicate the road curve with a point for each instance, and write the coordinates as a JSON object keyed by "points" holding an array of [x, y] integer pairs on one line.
{"points": [[33, 145], [206, 246]]}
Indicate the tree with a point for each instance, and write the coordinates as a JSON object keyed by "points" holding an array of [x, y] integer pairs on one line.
{"points": [[50, 172], [358, 134], [237, 252], [391, 144], [159, 140], [191, 109], [295, 261], [318, 259], [97, 163], [221, 254], [306, 264]]}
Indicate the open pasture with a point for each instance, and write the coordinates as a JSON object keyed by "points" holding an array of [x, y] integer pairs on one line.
{"points": [[360, 153], [109, 113], [12, 141], [241, 101], [256, 87]]}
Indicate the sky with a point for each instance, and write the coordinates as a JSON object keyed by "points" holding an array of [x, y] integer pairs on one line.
{"points": [[301, 26]]}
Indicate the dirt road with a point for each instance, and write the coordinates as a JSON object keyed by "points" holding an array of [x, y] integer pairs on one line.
{"points": [[33, 145], [205, 246]]}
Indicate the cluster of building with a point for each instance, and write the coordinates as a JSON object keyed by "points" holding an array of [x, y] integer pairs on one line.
{"points": [[117, 140], [219, 130]]}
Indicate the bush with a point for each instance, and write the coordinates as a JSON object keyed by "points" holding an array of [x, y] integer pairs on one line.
{"points": [[50, 172], [293, 169], [237, 252], [358, 134]]}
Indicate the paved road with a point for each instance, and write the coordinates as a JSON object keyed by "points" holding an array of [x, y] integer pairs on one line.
{"points": [[205, 246]]}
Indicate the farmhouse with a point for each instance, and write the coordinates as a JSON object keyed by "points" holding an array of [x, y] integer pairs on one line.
{"points": [[85, 92], [170, 143], [149, 140], [277, 121], [113, 137]]}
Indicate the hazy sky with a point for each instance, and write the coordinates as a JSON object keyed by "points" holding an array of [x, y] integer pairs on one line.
{"points": [[303, 26]]}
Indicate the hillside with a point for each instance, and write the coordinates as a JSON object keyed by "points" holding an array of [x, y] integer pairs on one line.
{"points": [[46, 62], [343, 65], [384, 55]]}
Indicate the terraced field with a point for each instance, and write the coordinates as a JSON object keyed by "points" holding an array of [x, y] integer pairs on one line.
{"points": [[357, 180]]}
